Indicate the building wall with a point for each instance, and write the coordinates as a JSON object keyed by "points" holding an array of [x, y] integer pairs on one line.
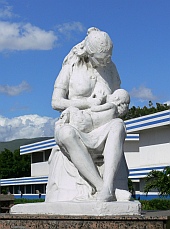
{"points": [[39, 163], [39, 169], [131, 149], [154, 147]]}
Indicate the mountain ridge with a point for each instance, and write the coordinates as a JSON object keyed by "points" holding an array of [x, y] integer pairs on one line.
{"points": [[15, 144]]}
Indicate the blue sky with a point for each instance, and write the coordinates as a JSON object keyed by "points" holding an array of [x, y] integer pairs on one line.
{"points": [[35, 36]]}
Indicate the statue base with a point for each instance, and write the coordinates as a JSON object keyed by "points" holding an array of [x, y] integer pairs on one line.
{"points": [[79, 208]]}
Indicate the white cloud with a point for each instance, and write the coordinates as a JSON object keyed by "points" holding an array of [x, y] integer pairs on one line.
{"points": [[67, 28], [27, 126], [14, 90], [142, 93], [19, 36], [167, 102], [72, 26], [6, 11]]}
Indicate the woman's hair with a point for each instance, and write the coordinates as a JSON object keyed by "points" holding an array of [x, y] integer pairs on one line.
{"points": [[96, 41]]}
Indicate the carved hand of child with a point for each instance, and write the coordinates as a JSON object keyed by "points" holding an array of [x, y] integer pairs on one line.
{"points": [[64, 117], [93, 101], [103, 107]]}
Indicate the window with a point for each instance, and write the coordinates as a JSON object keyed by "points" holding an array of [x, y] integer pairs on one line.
{"points": [[11, 189], [47, 154], [16, 189], [28, 188], [38, 188], [22, 189], [37, 157], [136, 186]]}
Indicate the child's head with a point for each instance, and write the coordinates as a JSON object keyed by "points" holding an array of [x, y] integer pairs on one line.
{"points": [[121, 99]]}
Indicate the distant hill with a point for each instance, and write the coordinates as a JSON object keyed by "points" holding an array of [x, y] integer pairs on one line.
{"points": [[15, 144]]}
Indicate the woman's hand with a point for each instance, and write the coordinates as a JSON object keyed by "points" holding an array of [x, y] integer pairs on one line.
{"points": [[96, 99], [93, 101]]}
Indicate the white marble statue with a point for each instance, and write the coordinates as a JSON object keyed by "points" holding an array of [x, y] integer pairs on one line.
{"points": [[89, 162]]}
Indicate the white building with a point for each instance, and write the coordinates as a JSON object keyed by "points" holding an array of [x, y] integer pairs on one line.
{"points": [[147, 147]]}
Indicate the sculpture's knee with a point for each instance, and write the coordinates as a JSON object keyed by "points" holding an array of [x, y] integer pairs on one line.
{"points": [[118, 127], [66, 135]]}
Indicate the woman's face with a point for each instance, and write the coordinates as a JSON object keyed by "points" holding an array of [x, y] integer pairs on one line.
{"points": [[100, 59]]}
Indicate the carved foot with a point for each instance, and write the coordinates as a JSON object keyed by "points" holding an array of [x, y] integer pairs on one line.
{"points": [[122, 195], [104, 196]]}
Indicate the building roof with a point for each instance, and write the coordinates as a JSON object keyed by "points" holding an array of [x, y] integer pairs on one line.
{"points": [[148, 121]]}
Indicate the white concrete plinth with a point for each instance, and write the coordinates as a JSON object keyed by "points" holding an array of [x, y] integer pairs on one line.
{"points": [[79, 208]]}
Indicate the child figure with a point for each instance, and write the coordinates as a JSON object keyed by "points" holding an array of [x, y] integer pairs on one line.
{"points": [[117, 105]]}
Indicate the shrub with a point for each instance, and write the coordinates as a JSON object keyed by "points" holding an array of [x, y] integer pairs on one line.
{"points": [[24, 201], [155, 204]]}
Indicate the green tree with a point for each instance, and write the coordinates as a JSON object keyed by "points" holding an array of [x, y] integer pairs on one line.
{"points": [[6, 164], [21, 164], [135, 112], [14, 165], [159, 180], [130, 186]]}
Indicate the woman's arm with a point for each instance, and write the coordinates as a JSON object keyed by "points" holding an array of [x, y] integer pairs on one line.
{"points": [[60, 101]]}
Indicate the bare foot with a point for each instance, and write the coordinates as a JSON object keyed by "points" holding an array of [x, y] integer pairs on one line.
{"points": [[104, 196], [122, 195]]}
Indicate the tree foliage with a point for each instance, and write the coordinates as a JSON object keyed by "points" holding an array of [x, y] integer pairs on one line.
{"points": [[156, 204], [159, 180], [13, 165], [135, 112], [130, 186]]}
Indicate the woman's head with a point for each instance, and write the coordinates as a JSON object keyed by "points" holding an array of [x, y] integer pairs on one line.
{"points": [[98, 42], [98, 46]]}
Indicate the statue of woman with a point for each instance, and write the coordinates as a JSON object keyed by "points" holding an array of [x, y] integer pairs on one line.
{"points": [[87, 77]]}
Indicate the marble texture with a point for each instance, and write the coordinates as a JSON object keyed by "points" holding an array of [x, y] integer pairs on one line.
{"points": [[89, 161], [87, 168], [91, 208]]}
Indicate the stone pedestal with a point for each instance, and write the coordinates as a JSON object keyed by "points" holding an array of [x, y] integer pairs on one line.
{"points": [[149, 220], [80, 208]]}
